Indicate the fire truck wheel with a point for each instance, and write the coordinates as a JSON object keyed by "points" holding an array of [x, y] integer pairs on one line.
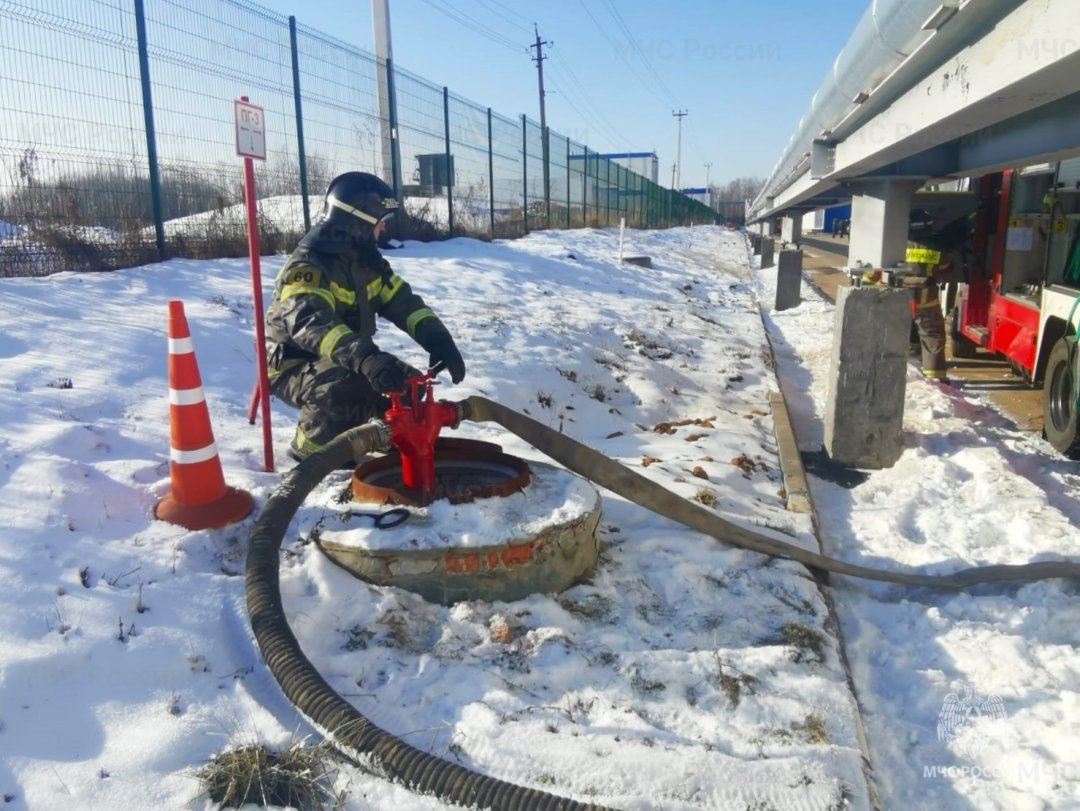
{"points": [[962, 346], [1059, 399]]}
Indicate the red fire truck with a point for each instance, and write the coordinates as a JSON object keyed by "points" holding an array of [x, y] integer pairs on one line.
{"points": [[1020, 300]]}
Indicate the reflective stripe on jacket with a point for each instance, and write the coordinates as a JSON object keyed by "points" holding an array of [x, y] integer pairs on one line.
{"points": [[325, 303]]}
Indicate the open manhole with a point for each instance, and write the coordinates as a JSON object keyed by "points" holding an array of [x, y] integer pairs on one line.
{"points": [[465, 470], [498, 528]]}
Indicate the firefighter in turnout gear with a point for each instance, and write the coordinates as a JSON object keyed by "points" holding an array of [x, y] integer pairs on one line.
{"points": [[928, 265], [320, 326]]}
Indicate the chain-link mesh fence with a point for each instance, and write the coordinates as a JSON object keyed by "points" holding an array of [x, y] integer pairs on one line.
{"points": [[118, 145]]}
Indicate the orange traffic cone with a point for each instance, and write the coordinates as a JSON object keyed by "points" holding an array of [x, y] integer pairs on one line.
{"points": [[199, 498]]}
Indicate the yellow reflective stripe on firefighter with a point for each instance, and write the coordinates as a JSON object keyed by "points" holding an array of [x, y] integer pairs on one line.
{"points": [[416, 318], [389, 292], [289, 292], [342, 294], [924, 256], [374, 288], [303, 444], [330, 341], [274, 374]]}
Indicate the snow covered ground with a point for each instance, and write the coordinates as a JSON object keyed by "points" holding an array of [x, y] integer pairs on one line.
{"points": [[684, 675], [286, 213]]}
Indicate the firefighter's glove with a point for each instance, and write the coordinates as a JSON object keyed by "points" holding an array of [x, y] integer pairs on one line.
{"points": [[435, 338], [385, 372]]}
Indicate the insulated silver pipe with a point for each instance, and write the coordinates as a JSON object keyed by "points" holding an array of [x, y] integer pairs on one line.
{"points": [[885, 39]]}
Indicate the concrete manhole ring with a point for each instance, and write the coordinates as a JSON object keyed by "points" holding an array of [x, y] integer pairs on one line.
{"points": [[539, 540]]}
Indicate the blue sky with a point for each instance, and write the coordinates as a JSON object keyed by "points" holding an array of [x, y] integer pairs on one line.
{"points": [[745, 71]]}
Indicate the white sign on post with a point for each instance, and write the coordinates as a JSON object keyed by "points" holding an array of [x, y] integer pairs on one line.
{"points": [[250, 131]]}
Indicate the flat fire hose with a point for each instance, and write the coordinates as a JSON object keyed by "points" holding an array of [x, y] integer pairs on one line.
{"points": [[620, 479]]}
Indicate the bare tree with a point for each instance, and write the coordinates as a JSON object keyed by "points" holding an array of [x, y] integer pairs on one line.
{"points": [[730, 198]]}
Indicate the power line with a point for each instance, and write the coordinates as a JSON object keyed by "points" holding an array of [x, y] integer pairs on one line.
{"points": [[613, 142], [562, 71], [505, 7], [695, 143], [600, 125], [463, 19], [618, 51], [603, 129], [490, 5], [621, 23]]}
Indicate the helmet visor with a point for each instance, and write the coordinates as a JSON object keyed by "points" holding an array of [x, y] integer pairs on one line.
{"points": [[384, 209]]}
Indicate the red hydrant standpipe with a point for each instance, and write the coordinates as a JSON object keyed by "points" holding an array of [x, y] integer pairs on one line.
{"points": [[414, 429]]}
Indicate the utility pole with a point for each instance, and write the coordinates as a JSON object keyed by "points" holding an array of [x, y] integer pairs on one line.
{"points": [[678, 150], [708, 166], [384, 54], [539, 60]]}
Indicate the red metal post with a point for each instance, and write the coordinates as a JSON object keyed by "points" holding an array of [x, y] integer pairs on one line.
{"points": [[260, 330], [253, 405]]}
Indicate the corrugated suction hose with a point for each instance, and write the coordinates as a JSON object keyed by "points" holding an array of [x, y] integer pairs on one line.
{"points": [[343, 725]]}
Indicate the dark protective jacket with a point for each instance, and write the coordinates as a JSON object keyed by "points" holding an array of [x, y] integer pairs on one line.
{"points": [[326, 299]]}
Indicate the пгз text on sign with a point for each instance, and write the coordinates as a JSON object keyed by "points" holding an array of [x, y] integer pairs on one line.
{"points": [[250, 131]]}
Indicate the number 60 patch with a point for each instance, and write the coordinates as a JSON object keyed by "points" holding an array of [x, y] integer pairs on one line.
{"points": [[304, 276]]}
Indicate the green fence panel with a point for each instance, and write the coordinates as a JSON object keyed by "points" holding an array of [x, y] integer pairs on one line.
{"points": [[75, 181]]}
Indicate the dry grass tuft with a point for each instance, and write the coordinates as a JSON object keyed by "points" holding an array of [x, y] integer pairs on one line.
{"points": [[296, 778]]}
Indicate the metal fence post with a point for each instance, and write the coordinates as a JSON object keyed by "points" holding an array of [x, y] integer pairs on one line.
{"points": [[624, 194], [524, 173], [607, 190], [585, 189], [644, 202], [449, 160], [545, 141], [491, 174], [569, 196], [151, 137], [299, 122]]}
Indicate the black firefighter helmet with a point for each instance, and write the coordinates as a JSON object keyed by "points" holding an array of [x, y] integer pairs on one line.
{"points": [[358, 197]]}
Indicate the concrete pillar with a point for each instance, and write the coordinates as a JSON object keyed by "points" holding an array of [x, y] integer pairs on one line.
{"points": [[767, 246], [791, 229], [756, 242], [768, 228], [864, 413], [789, 280], [879, 221]]}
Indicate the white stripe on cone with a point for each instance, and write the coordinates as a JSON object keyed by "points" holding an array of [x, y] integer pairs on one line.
{"points": [[184, 397], [181, 346], [193, 457]]}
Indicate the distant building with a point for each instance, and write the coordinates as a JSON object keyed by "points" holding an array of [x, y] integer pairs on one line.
{"points": [[702, 195]]}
